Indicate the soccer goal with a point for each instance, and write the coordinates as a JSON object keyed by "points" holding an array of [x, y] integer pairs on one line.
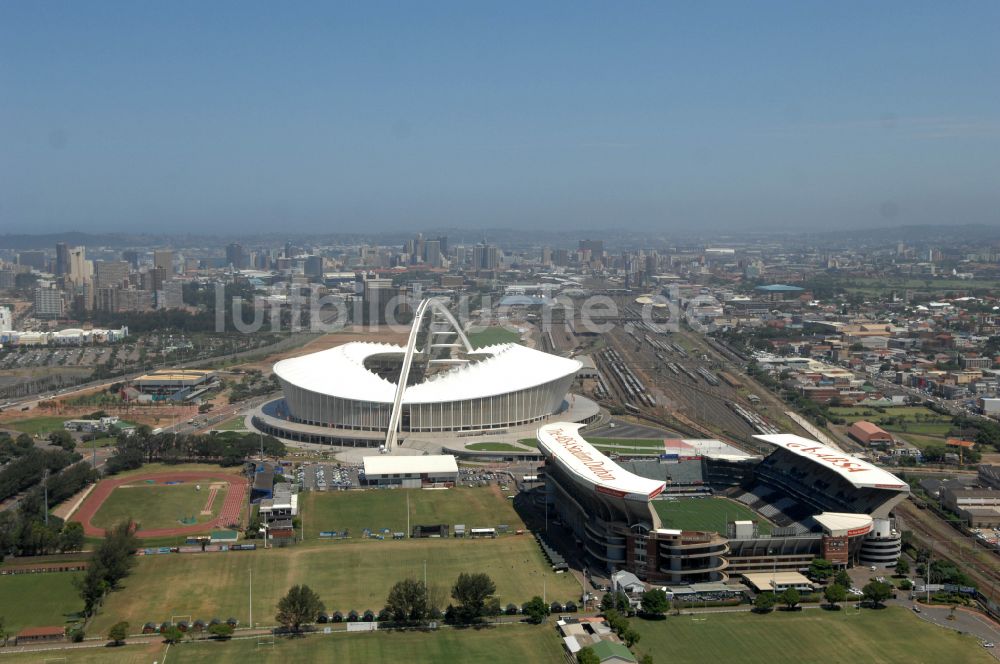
{"points": [[265, 641], [177, 620]]}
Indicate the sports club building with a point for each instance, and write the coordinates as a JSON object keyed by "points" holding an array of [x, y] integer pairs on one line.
{"points": [[820, 502], [609, 511]]}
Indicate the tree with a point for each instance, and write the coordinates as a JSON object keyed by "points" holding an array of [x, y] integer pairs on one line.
{"points": [[820, 569], [407, 601], [472, 591], [221, 630], [301, 605], [587, 656], [655, 602], [118, 633], [173, 634], [71, 537], [536, 609], [622, 603], [607, 601], [630, 637], [764, 602], [790, 597], [646, 659], [835, 593], [876, 592], [902, 567], [842, 578], [91, 587], [63, 439]]}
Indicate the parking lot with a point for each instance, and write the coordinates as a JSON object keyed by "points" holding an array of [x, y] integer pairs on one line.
{"points": [[327, 477]]}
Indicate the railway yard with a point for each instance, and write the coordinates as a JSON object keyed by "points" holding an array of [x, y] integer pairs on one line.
{"points": [[683, 381]]}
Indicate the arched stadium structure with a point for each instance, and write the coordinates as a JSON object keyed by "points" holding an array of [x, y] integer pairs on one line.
{"points": [[370, 393]]}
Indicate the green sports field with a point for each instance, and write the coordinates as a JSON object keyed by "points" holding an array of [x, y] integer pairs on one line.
{"points": [[158, 505], [705, 514], [493, 335], [378, 509], [505, 643], [347, 575], [38, 600], [879, 637]]}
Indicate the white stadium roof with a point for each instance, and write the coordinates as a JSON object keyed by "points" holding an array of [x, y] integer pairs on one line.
{"points": [[857, 471], [340, 372], [844, 523], [391, 465], [562, 441]]}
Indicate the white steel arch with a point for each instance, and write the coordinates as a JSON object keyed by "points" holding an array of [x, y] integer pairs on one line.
{"points": [[436, 306]]}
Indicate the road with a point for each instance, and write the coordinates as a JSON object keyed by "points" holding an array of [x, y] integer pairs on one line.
{"points": [[32, 402]]}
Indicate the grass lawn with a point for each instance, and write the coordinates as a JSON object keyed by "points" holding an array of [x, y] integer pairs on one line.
{"points": [[37, 425], [494, 447], [920, 441], [705, 514], [378, 509], [38, 600], [493, 335], [152, 468], [938, 429], [507, 643], [158, 505], [346, 575], [235, 424], [128, 654], [879, 637]]}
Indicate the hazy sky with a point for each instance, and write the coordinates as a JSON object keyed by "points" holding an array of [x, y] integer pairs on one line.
{"points": [[269, 116]]}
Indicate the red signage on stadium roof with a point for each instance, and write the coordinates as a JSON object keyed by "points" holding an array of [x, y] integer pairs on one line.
{"points": [[859, 531], [611, 492], [571, 445], [836, 460]]}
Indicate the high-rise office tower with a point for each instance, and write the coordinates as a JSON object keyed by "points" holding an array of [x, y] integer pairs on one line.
{"points": [[62, 259], [164, 258]]}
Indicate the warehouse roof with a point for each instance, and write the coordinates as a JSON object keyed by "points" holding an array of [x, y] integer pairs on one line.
{"points": [[562, 442], [391, 465]]}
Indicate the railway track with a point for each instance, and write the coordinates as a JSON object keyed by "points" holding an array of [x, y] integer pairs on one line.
{"points": [[980, 564]]}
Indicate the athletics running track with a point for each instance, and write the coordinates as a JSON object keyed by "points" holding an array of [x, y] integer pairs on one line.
{"points": [[230, 513]]}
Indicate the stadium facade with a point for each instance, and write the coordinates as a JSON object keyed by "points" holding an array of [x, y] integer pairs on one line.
{"points": [[609, 511], [819, 502], [370, 393]]}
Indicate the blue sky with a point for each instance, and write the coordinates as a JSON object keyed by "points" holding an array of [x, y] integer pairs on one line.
{"points": [[197, 116]]}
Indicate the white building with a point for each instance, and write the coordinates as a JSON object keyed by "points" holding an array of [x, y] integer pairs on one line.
{"points": [[410, 472]]}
